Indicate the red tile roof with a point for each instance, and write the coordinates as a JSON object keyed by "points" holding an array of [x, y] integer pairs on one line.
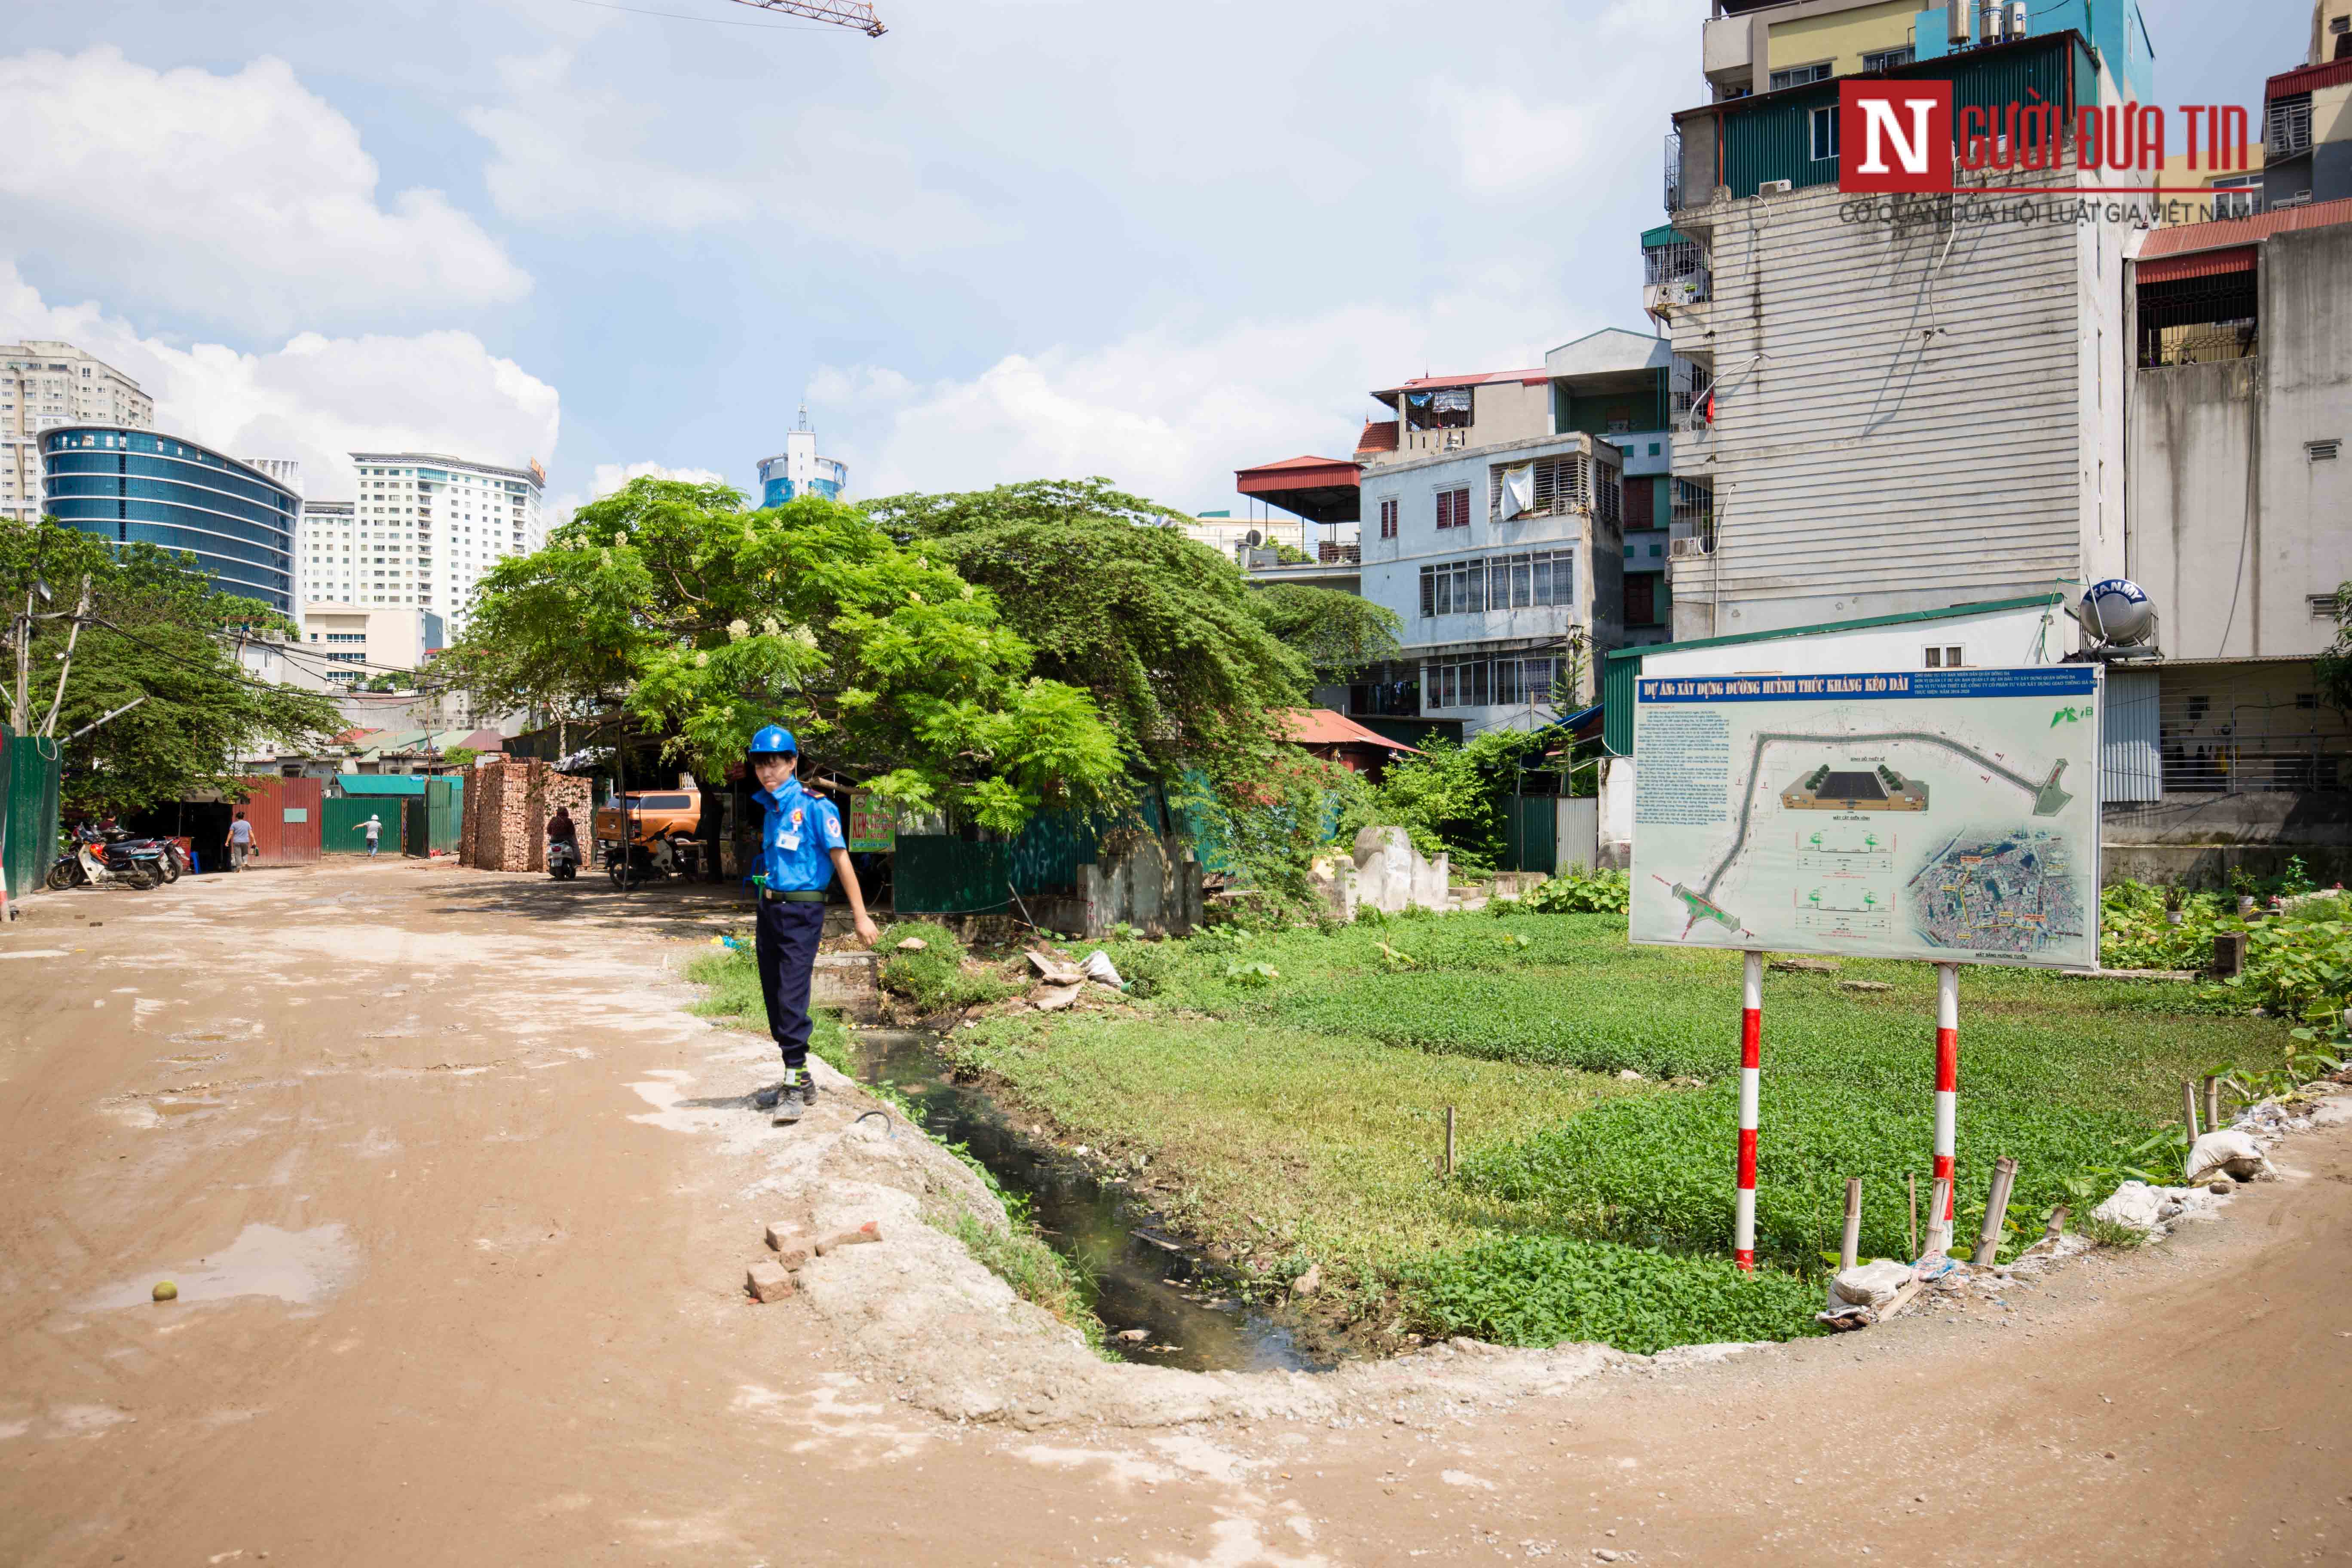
{"points": [[1484, 378], [354, 736], [484, 740], [1321, 727], [2181, 238], [1380, 435]]}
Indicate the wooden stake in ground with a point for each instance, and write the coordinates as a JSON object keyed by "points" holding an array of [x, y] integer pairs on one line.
{"points": [[1911, 1232], [1751, 1071], [1850, 1250], [2057, 1227], [1939, 1202], [2212, 1102], [1449, 1140], [2005, 1177], [2188, 1110]]}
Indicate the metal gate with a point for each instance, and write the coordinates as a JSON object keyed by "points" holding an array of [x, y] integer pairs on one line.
{"points": [[343, 817], [1530, 833]]}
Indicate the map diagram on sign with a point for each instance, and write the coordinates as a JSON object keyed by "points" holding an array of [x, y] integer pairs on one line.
{"points": [[1935, 818]]}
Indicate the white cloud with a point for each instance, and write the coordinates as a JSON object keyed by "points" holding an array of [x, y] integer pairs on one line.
{"points": [[1505, 144], [241, 199], [317, 398], [611, 477], [1170, 416], [563, 147]]}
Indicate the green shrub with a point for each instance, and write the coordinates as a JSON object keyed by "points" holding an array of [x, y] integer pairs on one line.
{"points": [[932, 976], [1577, 892], [1544, 1289]]}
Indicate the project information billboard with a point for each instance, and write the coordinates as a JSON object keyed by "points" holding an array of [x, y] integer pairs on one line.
{"points": [[1947, 815]]}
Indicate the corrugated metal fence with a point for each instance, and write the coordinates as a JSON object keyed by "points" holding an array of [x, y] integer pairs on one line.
{"points": [[340, 819], [285, 816], [2129, 735], [29, 771]]}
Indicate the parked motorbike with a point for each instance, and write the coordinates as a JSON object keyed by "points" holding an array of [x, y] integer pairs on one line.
{"points": [[662, 857], [563, 859], [92, 861], [162, 856]]}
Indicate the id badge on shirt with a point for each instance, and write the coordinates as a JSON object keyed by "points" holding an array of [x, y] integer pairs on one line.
{"points": [[788, 842]]}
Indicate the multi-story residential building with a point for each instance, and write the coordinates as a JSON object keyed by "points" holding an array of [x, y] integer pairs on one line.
{"points": [[45, 384], [133, 485], [1754, 46], [2307, 128], [1900, 409], [797, 471], [424, 528], [356, 646], [325, 525], [1246, 538]]}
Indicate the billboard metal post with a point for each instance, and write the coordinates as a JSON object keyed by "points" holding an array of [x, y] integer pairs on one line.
{"points": [[1948, 1099], [1752, 1073]]}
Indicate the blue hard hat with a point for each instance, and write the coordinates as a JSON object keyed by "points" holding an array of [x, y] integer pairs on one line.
{"points": [[773, 738]]}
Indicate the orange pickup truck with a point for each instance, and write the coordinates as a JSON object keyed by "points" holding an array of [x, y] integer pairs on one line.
{"points": [[657, 827]]}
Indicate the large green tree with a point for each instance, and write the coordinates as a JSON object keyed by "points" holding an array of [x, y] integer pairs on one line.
{"points": [[1337, 634], [155, 631], [1161, 630], [705, 621]]}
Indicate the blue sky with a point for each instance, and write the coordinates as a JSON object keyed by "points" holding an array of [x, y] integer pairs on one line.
{"points": [[1012, 238]]}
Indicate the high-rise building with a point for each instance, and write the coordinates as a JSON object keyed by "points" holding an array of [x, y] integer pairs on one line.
{"points": [[134, 487], [421, 533], [797, 471], [45, 385]]}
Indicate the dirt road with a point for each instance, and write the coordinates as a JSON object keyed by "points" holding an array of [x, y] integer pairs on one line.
{"points": [[459, 1200]]}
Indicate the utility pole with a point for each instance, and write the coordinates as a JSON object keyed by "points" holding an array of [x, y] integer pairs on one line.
{"points": [[18, 708], [65, 665]]}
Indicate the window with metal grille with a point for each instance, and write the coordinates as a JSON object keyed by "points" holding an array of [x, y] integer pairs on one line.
{"points": [[1527, 580], [1798, 76], [1824, 124], [1388, 517], [2259, 738], [1558, 485], [1887, 59], [2192, 320], [1453, 508], [2287, 126], [1480, 683]]}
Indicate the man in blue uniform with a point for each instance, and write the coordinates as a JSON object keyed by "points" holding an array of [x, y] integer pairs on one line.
{"points": [[801, 849]]}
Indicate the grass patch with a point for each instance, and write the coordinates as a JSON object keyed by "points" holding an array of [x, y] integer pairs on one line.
{"points": [[1544, 1289], [1291, 1088], [732, 976], [933, 976]]}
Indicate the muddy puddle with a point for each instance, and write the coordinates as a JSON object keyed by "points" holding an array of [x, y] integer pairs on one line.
{"points": [[300, 1268], [1139, 1282]]}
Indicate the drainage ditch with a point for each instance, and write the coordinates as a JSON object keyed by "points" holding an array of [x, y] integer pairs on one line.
{"points": [[1141, 1278]]}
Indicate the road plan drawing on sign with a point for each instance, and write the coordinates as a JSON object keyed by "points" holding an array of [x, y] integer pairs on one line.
{"points": [[1948, 814]]}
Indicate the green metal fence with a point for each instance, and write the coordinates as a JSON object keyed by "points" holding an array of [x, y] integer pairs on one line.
{"points": [[1530, 833], [31, 767], [445, 804], [939, 874], [340, 818]]}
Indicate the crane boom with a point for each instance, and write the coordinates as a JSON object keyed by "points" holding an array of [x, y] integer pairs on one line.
{"points": [[842, 12]]}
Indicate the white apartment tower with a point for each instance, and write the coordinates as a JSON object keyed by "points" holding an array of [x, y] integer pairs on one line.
{"points": [[45, 383], [420, 534]]}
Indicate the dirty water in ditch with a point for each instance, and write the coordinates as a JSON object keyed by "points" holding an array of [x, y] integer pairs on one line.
{"points": [[1139, 1283]]}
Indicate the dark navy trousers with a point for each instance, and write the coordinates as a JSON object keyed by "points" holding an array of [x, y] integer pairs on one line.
{"points": [[786, 947]]}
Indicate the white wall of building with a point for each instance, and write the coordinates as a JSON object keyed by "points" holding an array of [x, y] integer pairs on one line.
{"points": [[45, 383], [423, 530]]}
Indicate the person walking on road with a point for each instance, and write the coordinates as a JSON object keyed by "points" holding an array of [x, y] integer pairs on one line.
{"points": [[373, 828], [239, 843], [802, 848]]}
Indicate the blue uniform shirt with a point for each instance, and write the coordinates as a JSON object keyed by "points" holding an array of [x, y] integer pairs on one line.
{"points": [[797, 840]]}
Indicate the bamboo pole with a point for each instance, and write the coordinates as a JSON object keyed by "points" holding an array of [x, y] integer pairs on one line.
{"points": [[1939, 1215], [2212, 1102], [1449, 1140], [2057, 1225], [1911, 1232], [1850, 1251], [2188, 1108], [2005, 1177]]}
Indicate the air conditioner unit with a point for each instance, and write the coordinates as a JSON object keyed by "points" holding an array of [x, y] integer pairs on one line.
{"points": [[1685, 549], [1776, 187]]}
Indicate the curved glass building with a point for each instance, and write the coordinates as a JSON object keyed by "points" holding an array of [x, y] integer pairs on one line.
{"points": [[137, 487], [797, 471]]}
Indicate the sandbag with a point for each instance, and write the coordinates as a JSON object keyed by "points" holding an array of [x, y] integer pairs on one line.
{"points": [[1871, 1284], [1100, 969], [2228, 1150], [2134, 1205]]}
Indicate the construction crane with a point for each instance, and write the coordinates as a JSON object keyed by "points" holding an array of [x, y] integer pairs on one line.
{"points": [[841, 13]]}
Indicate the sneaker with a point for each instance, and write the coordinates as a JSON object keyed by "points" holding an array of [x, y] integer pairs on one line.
{"points": [[789, 1101], [808, 1088], [765, 1100]]}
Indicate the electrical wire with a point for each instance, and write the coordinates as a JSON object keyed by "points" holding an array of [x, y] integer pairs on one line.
{"points": [[714, 21]]}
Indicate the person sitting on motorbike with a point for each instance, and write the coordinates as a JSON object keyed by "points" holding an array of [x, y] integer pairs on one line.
{"points": [[560, 829]]}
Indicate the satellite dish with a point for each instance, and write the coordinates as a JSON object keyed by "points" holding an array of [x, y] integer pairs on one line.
{"points": [[2118, 613]]}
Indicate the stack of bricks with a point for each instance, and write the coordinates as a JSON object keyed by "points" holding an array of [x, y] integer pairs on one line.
{"points": [[507, 804]]}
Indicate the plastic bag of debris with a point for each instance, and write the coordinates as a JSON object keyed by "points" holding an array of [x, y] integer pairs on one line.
{"points": [[1099, 968], [2224, 1153], [1870, 1284]]}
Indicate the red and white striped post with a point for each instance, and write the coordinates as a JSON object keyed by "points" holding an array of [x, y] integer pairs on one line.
{"points": [[1948, 1099], [1751, 1065]]}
